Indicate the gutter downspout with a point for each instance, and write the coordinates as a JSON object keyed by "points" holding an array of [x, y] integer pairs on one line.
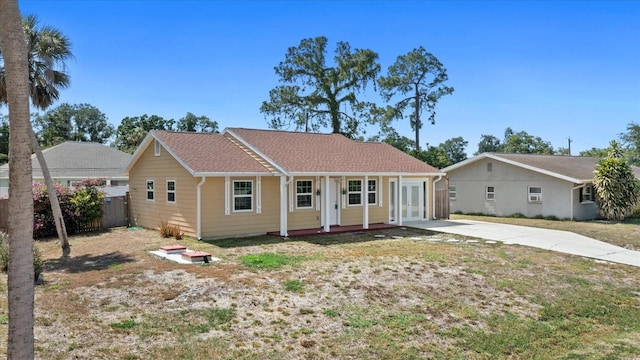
{"points": [[433, 193], [199, 208], [572, 190]]}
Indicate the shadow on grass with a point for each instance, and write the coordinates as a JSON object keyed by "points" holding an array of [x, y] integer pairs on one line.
{"points": [[76, 264], [324, 239]]}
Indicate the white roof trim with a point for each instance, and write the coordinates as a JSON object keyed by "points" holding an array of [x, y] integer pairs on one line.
{"points": [[145, 144], [252, 148]]}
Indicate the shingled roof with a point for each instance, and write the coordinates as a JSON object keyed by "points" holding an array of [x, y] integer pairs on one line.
{"points": [[578, 169], [298, 152], [78, 160], [203, 153], [249, 151]]}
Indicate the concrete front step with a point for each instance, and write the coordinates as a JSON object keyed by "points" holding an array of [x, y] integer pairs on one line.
{"points": [[196, 256], [173, 249]]}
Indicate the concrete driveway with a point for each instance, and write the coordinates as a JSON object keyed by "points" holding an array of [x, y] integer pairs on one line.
{"points": [[555, 240]]}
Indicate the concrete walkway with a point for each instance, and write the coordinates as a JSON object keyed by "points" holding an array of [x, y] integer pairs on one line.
{"points": [[555, 240]]}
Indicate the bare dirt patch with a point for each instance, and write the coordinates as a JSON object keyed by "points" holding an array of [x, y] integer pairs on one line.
{"points": [[355, 295]]}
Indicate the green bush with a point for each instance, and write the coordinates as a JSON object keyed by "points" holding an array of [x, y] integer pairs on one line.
{"points": [[38, 263], [80, 207]]}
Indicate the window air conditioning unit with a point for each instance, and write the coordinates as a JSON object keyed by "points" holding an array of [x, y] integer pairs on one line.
{"points": [[534, 198]]}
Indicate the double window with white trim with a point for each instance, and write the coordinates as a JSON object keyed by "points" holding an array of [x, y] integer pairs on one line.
{"points": [[171, 191]]}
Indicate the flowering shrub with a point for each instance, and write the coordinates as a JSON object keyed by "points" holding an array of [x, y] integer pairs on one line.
{"points": [[80, 207]]}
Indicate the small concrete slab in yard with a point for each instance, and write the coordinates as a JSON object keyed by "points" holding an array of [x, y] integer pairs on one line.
{"points": [[173, 249], [434, 239], [416, 238], [196, 256], [472, 241], [380, 235], [179, 258], [453, 241], [490, 242]]}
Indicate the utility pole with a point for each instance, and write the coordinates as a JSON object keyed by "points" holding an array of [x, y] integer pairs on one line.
{"points": [[569, 139]]}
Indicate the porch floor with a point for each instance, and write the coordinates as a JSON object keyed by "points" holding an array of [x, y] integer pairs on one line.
{"points": [[335, 229]]}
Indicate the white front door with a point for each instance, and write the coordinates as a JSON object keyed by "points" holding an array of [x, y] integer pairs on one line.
{"points": [[411, 201], [334, 204]]}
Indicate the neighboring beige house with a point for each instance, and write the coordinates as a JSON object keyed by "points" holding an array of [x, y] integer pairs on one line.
{"points": [[245, 181], [531, 185], [71, 161]]}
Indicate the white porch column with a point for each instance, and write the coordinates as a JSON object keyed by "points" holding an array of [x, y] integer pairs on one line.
{"points": [[365, 203], [199, 208], [399, 200], [326, 202], [283, 206]]}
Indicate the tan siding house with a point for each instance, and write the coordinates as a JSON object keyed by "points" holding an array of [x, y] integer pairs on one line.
{"points": [[245, 182], [531, 185]]}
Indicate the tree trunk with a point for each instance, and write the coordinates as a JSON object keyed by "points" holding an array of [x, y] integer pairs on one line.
{"points": [[21, 271], [417, 119], [53, 197]]}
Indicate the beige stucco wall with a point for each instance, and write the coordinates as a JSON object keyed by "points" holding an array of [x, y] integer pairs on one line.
{"points": [[161, 168], [511, 192]]}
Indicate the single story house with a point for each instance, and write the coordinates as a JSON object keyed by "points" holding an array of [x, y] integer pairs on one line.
{"points": [[531, 185], [71, 161], [246, 181]]}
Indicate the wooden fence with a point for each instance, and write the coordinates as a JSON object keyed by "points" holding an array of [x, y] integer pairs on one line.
{"points": [[114, 214], [442, 204]]}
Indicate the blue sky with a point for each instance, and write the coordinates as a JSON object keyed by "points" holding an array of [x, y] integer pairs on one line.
{"points": [[553, 69]]}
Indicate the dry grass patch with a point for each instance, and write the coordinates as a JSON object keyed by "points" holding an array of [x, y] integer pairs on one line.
{"points": [[334, 296]]}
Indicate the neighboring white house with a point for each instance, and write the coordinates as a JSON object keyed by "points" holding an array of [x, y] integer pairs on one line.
{"points": [[70, 162], [531, 185]]}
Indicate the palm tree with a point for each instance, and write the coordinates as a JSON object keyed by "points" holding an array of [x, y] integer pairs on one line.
{"points": [[47, 48], [21, 270]]}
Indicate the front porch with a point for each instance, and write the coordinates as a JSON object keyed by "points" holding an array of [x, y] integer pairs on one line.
{"points": [[335, 229]]}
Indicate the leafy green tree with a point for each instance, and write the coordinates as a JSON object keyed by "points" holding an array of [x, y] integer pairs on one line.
{"points": [[132, 130], [562, 151], [193, 123], [617, 188], [315, 94], [488, 143], [433, 156], [523, 143], [391, 137], [594, 152], [631, 141], [78, 122], [418, 79], [47, 47], [14, 83], [454, 148], [514, 142]]}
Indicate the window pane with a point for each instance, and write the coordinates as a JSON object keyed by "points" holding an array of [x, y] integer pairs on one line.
{"points": [[242, 203], [372, 198], [535, 190], [149, 195], [355, 185], [304, 187], [490, 189], [304, 201], [372, 185], [149, 185], [171, 197], [242, 188], [171, 185], [354, 199]]}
